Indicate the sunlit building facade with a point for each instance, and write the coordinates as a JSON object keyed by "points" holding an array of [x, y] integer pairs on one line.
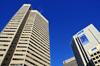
{"points": [[25, 39], [84, 41], [95, 55], [70, 62]]}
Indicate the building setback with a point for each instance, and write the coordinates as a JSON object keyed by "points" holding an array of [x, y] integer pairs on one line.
{"points": [[70, 62], [84, 41], [25, 39]]}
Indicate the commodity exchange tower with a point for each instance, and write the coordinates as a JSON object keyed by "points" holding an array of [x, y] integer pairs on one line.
{"points": [[25, 39]]}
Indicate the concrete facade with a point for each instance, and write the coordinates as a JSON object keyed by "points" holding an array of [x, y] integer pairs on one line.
{"points": [[25, 39], [95, 55], [70, 62], [83, 41]]}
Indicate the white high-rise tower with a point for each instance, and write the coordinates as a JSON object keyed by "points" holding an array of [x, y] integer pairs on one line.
{"points": [[84, 43], [25, 39]]}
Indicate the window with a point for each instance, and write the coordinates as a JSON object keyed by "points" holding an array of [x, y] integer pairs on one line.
{"points": [[23, 43], [96, 62], [8, 31], [24, 37], [2, 49], [4, 41], [95, 54], [11, 28], [22, 46], [16, 64], [21, 50], [8, 34], [3, 45], [97, 57], [27, 30], [99, 61], [26, 34], [98, 52], [93, 58], [4, 37], [23, 40], [19, 54], [1, 54], [18, 59]]}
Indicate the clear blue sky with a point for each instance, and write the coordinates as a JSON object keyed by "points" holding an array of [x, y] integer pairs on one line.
{"points": [[66, 18]]}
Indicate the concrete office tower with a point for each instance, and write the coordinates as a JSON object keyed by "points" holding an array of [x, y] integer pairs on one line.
{"points": [[70, 62], [83, 41], [25, 39]]}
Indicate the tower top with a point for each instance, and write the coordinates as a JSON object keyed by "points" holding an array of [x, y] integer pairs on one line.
{"points": [[26, 4], [40, 14]]}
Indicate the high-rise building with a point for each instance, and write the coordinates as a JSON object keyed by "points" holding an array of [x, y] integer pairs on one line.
{"points": [[25, 39], [70, 62], [82, 42]]}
